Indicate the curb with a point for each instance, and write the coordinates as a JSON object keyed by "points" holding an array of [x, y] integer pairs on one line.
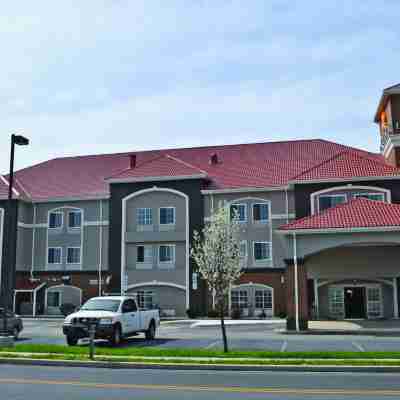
{"points": [[344, 332], [200, 367]]}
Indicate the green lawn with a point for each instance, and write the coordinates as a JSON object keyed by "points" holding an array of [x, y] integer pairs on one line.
{"points": [[156, 352]]}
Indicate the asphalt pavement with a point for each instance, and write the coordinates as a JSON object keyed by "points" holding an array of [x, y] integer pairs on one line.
{"points": [[36, 383], [257, 337]]}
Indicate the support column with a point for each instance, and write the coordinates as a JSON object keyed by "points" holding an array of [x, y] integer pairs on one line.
{"points": [[303, 312], [395, 299], [316, 298], [34, 303]]}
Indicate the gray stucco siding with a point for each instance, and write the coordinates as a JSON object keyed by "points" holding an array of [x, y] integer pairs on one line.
{"points": [[25, 212], [141, 237], [91, 248], [155, 200], [40, 255], [24, 249]]}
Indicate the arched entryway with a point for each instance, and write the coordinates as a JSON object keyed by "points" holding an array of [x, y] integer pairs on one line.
{"points": [[252, 299]]}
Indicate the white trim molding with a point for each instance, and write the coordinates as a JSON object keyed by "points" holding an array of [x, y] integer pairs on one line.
{"points": [[124, 281], [96, 223], [352, 179], [246, 190], [156, 283], [348, 188], [157, 178], [340, 230]]}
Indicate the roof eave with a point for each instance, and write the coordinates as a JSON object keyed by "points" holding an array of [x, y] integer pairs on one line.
{"points": [[156, 178], [352, 179], [304, 231]]}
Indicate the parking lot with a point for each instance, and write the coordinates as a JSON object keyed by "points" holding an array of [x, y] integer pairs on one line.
{"points": [[255, 336]]}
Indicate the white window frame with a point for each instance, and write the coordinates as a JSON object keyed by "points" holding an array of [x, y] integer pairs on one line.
{"points": [[159, 216], [379, 288], [166, 263], [245, 211], [261, 221], [80, 255], [265, 259], [74, 212], [264, 290], [361, 194], [62, 220], [342, 195], [137, 216], [145, 294], [144, 264], [244, 258], [61, 255]]}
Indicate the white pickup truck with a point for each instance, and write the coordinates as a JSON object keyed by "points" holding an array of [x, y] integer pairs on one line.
{"points": [[115, 317]]}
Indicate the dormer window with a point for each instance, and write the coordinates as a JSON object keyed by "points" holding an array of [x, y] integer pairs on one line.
{"points": [[370, 196], [330, 200]]}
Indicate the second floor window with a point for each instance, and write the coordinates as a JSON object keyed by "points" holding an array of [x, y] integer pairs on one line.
{"points": [[54, 255], [239, 210], [262, 251], [167, 215], [260, 213], [74, 219], [74, 255], [144, 254], [56, 220], [166, 254], [144, 216], [328, 201]]}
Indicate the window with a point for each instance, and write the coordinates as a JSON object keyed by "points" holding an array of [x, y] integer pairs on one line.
{"points": [[129, 306], [53, 299], [73, 255], [74, 219], [243, 253], [374, 302], [144, 216], [239, 210], [144, 254], [239, 299], [262, 251], [263, 299], [56, 220], [166, 254], [370, 196], [328, 201], [54, 255], [167, 215], [145, 299], [336, 302], [260, 213]]}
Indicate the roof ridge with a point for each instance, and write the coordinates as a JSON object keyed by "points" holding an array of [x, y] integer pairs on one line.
{"points": [[185, 163]]}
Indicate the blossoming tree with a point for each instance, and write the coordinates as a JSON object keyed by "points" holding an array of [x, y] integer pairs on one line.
{"points": [[216, 251]]}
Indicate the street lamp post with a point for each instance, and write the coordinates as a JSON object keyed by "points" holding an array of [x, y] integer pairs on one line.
{"points": [[20, 141]]}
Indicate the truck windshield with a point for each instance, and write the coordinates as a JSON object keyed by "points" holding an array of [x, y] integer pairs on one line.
{"points": [[101, 305]]}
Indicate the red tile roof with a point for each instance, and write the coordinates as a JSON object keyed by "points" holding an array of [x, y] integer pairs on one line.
{"points": [[164, 166], [357, 213], [348, 164], [243, 165]]}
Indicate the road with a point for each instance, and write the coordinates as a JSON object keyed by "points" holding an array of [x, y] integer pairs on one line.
{"points": [[37, 383], [261, 337]]}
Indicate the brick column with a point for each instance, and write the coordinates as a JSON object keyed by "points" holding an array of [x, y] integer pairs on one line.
{"points": [[290, 295]]}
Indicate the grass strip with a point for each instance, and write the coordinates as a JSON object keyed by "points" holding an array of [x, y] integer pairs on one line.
{"points": [[158, 352], [181, 361]]}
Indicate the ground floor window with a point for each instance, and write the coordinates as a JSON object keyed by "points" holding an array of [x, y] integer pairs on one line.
{"points": [[374, 302], [336, 302], [263, 299], [53, 299], [145, 299], [239, 299]]}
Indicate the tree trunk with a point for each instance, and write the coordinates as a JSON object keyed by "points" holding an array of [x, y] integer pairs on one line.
{"points": [[224, 339]]}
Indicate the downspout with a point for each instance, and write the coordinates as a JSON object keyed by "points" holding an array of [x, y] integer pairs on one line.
{"points": [[296, 282], [100, 246]]}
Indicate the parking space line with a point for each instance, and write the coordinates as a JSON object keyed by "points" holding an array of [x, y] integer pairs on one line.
{"points": [[358, 346], [284, 346], [211, 345]]}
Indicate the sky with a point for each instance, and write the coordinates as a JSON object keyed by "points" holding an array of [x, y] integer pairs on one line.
{"points": [[85, 77]]}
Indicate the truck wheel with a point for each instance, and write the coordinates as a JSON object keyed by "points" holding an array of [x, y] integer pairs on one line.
{"points": [[72, 341], [151, 332], [116, 338]]}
